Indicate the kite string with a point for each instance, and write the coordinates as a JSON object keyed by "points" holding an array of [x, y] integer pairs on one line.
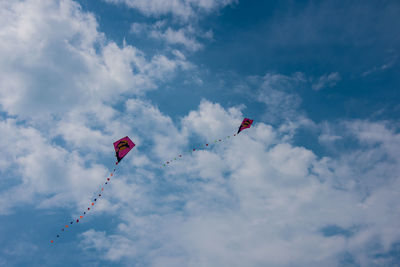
{"points": [[207, 145], [98, 195]]}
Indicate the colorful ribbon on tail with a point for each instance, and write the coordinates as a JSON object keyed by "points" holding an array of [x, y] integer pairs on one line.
{"points": [[122, 147]]}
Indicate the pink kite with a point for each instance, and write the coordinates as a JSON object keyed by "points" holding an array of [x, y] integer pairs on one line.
{"points": [[122, 147], [246, 123]]}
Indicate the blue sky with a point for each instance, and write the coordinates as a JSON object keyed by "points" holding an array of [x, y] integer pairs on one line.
{"points": [[315, 181]]}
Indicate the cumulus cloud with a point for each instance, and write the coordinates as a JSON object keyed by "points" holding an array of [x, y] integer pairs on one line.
{"points": [[253, 198], [60, 82], [212, 120], [42, 172], [54, 60], [244, 202]]}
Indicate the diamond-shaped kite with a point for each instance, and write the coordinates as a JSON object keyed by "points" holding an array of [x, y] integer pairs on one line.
{"points": [[122, 147], [246, 123]]}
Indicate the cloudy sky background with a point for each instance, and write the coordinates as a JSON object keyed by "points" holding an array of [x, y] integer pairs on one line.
{"points": [[315, 182]]}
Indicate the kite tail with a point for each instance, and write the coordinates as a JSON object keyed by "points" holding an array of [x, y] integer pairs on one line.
{"points": [[96, 198], [246, 123], [201, 147]]}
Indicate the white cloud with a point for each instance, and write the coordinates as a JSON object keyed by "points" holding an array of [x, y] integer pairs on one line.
{"points": [[171, 31], [328, 137], [182, 9], [327, 80], [54, 60], [249, 200], [245, 202], [60, 78], [187, 36], [212, 121], [155, 129], [179, 37], [43, 173], [280, 95]]}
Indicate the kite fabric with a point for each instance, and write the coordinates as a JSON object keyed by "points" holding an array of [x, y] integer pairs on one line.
{"points": [[246, 123], [122, 147]]}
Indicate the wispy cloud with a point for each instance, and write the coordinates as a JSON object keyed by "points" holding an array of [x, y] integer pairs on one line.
{"points": [[183, 29], [182, 9], [326, 80], [187, 36], [383, 67]]}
